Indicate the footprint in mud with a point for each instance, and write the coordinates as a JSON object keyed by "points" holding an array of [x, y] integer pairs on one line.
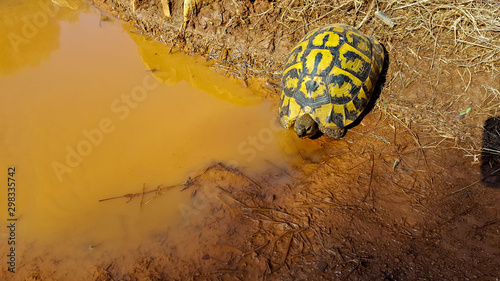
{"points": [[490, 155]]}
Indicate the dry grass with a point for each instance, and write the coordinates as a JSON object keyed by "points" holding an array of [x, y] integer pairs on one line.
{"points": [[440, 118], [450, 44], [465, 33]]}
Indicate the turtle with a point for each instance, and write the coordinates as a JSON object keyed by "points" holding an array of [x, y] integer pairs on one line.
{"points": [[328, 80]]}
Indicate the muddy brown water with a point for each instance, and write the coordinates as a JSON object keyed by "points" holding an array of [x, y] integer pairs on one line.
{"points": [[90, 110]]}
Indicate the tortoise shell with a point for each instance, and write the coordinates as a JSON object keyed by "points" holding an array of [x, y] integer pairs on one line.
{"points": [[330, 75]]}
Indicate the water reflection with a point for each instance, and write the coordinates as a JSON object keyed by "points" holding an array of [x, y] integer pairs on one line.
{"points": [[32, 30], [71, 4], [172, 68]]}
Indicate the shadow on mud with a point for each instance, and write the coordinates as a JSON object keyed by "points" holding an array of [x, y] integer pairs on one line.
{"points": [[490, 154]]}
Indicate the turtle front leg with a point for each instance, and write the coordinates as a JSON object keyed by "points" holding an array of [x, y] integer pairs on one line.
{"points": [[336, 133]]}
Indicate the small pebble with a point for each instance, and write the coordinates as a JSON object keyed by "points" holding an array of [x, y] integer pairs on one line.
{"points": [[322, 266]]}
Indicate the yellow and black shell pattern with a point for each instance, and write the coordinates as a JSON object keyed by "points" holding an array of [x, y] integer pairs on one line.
{"points": [[330, 75]]}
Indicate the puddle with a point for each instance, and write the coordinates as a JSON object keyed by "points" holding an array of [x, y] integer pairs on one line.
{"points": [[90, 111]]}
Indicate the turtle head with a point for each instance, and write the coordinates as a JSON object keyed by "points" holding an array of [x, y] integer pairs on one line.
{"points": [[305, 126]]}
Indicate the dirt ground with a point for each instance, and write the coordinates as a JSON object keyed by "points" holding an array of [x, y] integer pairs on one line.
{"points": [[409, 194]]}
